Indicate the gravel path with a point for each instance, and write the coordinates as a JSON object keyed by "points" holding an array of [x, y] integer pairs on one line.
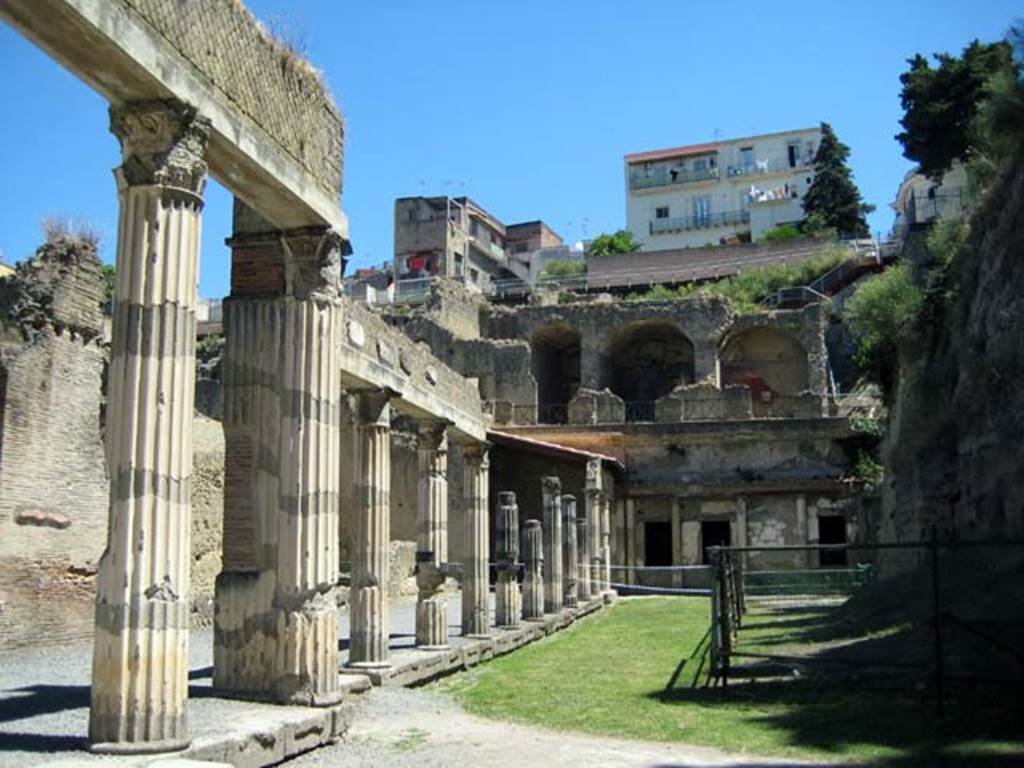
{"points": [[44, 690], [422, 728]]}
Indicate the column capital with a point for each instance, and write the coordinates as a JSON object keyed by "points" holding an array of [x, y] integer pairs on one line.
{"points": [[163, 143], [476, 454], [551, 484], [432, 434], [372, 406], [313, 262]]}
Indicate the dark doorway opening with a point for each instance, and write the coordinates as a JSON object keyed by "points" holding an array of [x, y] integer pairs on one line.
{"points": [[657, 544], [556, 367], [714, 533], [832, 530]]}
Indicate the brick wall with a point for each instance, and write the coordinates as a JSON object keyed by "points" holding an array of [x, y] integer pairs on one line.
{"points": [[268, 82]]}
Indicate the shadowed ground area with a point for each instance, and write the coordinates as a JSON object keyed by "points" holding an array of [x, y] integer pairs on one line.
{"points": [[635, 671]]}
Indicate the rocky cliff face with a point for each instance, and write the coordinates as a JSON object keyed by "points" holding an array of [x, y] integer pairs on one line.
{"points": [[955, 451]]}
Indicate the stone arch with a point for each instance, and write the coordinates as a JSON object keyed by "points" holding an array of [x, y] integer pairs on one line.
{"points": [[645, 360], [556, 367], [771, 361]]}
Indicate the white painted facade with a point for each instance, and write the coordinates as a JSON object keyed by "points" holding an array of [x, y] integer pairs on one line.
{"points": [[704, 193]]}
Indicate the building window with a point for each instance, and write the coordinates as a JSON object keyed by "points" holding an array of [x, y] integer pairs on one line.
{"points": [[474, 276], [661, 212], [747, 158], [793, 152], [702, 210], [458, 265]]}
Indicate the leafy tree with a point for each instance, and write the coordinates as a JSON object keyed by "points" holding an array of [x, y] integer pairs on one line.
{"points": [[878, 313], [618, 242], [833, 199], [940, 104]]}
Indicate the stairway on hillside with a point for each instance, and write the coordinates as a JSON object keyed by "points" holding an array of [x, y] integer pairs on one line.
{"points": [[866, 260]]}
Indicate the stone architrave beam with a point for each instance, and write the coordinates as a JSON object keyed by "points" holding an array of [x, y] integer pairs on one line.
{"points": [[570, 598], [475, 594], [507, 600], [127, 60], [432, 536], [551, 491], [140, 660], [533, 576]]}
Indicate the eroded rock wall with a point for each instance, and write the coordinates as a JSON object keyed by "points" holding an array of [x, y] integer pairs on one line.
{"points": [[956, 439]]}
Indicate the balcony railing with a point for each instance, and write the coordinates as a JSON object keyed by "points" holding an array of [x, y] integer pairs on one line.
{"points": [[705, 221], [665, 178], [763, 167]]}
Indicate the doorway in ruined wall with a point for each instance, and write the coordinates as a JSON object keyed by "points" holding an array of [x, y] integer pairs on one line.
{"points": [[714, 533], [770, 361], [556, 367], [646, 360], [832, 530]]}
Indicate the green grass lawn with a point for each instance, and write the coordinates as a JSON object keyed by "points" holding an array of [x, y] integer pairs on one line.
{"points": [[630, 670]]}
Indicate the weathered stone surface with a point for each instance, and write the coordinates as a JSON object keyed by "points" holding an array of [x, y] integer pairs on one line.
{"points": [[476, 614], [507, 600], [551, 489], [533, 576]]}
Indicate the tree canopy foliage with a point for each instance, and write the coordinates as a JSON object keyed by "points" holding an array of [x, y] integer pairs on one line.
{"points": [[941, 103], [622, 241], [833, 199]]}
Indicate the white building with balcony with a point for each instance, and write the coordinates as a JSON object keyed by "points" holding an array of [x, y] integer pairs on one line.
{"points": [[711, 193]]}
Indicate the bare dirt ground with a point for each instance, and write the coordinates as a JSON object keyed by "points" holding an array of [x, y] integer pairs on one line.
{"points": [[403, 728]]}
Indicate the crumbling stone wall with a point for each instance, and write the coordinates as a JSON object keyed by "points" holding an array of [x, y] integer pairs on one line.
{"points": [[53, 475], [53, 483], [267, 81]]}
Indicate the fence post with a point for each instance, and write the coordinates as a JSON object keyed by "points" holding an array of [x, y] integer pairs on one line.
{"points": [[940, 683], [716, 624]]}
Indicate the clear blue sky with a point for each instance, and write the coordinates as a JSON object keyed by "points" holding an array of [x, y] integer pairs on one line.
{"points": [[526, 106]]}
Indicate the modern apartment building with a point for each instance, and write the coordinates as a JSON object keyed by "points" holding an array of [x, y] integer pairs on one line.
{"points": [[454, 237], [716, 192]]}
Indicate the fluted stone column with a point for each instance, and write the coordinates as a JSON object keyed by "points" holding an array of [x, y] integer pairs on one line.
{"points": [[570, 596], [606, 543], [372, 532], [305, 612], [432, 537], [276, 615], [592, 511], [507, 601], [476, 614], [583, 557], [533, 576], [551, 492], [140, 660]]}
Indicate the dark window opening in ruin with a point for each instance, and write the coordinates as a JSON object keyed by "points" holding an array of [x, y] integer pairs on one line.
{"points": [[714, 533], [769, 361], [658, 544], [832, 530], [647, 360], [556, 367]]}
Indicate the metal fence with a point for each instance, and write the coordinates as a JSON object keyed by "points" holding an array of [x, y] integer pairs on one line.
{"points": [[746, 598]]}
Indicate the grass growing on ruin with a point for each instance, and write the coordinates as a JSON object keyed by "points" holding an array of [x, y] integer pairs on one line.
{"points": [[611, 675]]}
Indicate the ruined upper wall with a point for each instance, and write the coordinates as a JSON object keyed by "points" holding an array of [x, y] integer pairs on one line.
{"points": [[265, 79], [275, 136]]}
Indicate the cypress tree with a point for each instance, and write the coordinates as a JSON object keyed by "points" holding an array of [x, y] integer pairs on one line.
{"points": [[833, 200]]}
